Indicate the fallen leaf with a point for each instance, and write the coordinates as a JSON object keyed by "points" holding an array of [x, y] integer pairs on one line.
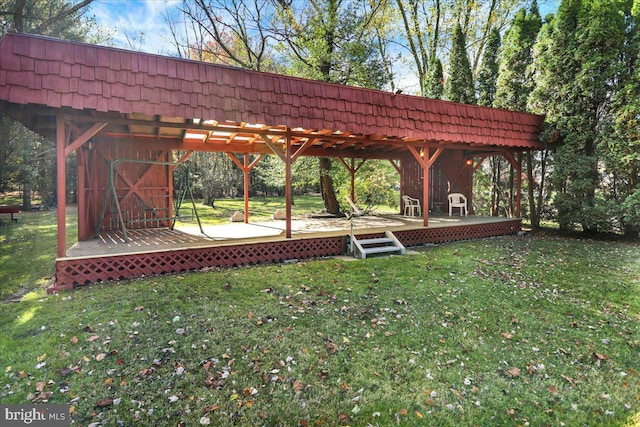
{"points": [[100, 356], [40, 386], [92, 338], [298, 386], [513, 372], [74, 340], [507, 335], [249, 391], [567, 379], [419, 415], [205, 421], [331, 347], [41, 357], [552, 389], [103, 403], [173, 398], [402, 411]]}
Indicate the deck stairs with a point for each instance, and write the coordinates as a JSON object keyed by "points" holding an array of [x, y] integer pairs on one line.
{"points": [[389, 244]]}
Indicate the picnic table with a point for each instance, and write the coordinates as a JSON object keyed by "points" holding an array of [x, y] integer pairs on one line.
{"points": [[5, 209]]}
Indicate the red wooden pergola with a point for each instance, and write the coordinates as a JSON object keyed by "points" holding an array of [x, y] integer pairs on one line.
{"points": [[137, 109]]}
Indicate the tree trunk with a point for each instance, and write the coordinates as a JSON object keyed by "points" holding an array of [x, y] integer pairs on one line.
{"points": [[512, 192], [326, 187], [495, 190], [541, 189], [534, 213], [26, 194]]}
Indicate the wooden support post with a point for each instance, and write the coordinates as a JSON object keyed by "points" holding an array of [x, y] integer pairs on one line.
{"points": [[245, 171], [352, 172], [246, 167], [352, 168], [426, 161], [287, 171], [425, 187], [516, 163], [82, 207], [61, 184], [519, 185]]}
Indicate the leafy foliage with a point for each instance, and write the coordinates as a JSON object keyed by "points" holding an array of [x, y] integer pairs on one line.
{"points": [[577, 63], [374, 185], [27, 161], [489, 70], [435, 81], [459, 86], [514, 81], [330, 40]]}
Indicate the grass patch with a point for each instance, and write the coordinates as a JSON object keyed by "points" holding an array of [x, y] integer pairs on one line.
{"points": [[262, 208], [508, 331], [28, 251]]}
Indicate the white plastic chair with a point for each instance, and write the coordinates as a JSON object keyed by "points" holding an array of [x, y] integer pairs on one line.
{"points": [[411, 206], [458, 200]]}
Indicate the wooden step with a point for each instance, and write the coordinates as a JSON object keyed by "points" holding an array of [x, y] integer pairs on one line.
{"points": [[376, 241], [379, 245], [382, 250]]}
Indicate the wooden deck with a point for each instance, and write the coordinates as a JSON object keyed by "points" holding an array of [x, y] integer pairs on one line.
{"points": [[188, 236], [164, 251]]}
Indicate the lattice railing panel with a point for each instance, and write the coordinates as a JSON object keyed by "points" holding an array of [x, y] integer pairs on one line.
{"points": [[450, 234], [75, 272]]}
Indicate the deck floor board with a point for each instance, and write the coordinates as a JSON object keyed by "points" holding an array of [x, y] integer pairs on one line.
{"points": [[188, 236]]}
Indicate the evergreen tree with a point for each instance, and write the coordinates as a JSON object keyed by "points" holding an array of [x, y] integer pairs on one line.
{"points": [[459, 86], [514, 82], [435, 86], [26, 159], [513, 86], [622, 151], [577, 64], [489, 70]]}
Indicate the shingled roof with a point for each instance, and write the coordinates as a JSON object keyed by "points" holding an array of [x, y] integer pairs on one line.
{"points": [[43, 71]]}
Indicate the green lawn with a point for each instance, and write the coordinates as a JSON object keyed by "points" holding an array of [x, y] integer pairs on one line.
{"points": [[263, 208], [28, 251], [534, 330]]}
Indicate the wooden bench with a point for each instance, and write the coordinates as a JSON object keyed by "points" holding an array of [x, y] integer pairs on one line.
{"points": [[12, 210]]}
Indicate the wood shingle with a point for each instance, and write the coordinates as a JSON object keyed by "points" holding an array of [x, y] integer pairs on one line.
{"points": [[58, 73]]}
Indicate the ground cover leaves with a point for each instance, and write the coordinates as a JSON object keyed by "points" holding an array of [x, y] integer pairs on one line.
{"points": [[499, 331]]}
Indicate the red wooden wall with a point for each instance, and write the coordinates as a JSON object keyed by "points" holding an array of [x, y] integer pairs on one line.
{"points": [[449, 174], [144, 190]]}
